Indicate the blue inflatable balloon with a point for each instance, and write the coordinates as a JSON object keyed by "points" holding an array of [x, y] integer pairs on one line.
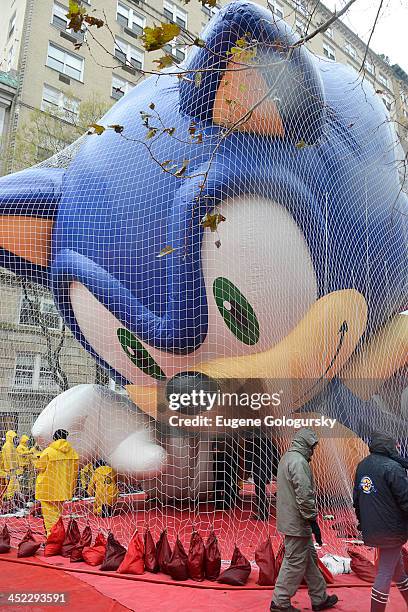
{"points": [[241, 218]]}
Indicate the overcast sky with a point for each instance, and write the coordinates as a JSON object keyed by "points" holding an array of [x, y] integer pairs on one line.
{"points": [[391, 33]]}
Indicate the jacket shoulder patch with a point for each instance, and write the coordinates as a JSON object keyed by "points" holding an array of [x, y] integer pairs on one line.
{"points": [[367, 485]]}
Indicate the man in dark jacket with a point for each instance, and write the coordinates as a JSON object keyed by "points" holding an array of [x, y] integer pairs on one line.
{"points": [[296, 516], [381, 503]]}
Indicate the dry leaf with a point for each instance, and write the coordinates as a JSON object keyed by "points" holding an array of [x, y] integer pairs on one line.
{"points": [[166, 251], [301, 144], [117, 128], [98, 129], [164, 62], [181, 171], [155, 38], [212, 221]]}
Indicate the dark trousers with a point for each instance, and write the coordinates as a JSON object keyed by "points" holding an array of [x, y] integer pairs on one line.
{"points": [[106, 511], [390, 567], [262, 501]]}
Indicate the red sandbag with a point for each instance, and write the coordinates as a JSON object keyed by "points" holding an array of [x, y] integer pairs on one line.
{"points": [[280, 553], [55, 540], [361, 566], [114, 555], [212, 564], [133, 560], [238, 572], [4, 541], [86, 540], [265, 560], [94, 555], [196, 557], [28, 545], [150, 557], [163, 552], [177, 566], [72, 537]]}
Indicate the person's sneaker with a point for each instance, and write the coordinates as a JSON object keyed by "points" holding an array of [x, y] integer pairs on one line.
{"points": [[330, 602], [287, 609]]}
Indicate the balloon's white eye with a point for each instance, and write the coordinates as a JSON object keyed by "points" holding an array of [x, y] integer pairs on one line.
{"points": [[261, 281]]}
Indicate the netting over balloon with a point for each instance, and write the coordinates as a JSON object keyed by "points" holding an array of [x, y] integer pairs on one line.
{"points": [[231, 244]]}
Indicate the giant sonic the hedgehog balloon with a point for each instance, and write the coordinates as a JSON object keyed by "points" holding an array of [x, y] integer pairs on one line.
{"points": [[293, 161]]}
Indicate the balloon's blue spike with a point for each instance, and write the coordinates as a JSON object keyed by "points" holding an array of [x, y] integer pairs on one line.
{"points": [[35, 192]]}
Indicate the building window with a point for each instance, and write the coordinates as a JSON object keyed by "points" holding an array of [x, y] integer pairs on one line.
{"points": [[59, 16], [10, 58], [120, 87], [329, 52], [33, 372], [8, 422], [387, 101], [12, 24], [329, 32], [47, 309], [128, 54], [65, 62], [300, 27], [129, 19], [210, 11], [350, 50], [383, 79], [60, 20], [301, 6], [56, 101], [369, 66], [174, 13], [42, 153], [178, 53], [276, 8], [24, 372]]}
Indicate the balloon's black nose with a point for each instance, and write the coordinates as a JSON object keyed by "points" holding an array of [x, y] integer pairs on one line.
{"points": [[190, 392]]}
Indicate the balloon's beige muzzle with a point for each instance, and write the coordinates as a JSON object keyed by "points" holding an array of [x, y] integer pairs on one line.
{"points": [[310, 355]]}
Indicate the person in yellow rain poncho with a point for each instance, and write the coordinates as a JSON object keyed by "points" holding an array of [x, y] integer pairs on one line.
{"points": [[85, 477], [10, 464], [105, 488], [57, 476], [35, 453], [24, 465], [3, 479]]}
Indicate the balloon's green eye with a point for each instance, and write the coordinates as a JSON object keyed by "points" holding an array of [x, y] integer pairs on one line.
{"points": [[236, 311], [138, 355]]}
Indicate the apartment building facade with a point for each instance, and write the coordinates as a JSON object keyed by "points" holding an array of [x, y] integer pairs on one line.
{"points": [[8, 90], [58, 70]]}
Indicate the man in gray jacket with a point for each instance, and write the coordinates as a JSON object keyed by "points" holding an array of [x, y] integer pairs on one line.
{"points": [[296, 516]]}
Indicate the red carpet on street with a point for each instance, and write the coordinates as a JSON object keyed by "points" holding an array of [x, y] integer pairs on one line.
{"points": [[86, 589]]}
